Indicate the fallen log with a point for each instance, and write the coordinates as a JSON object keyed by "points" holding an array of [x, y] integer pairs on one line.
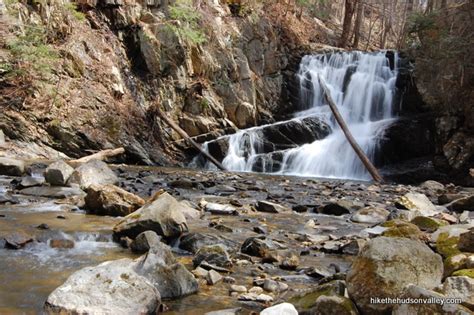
{"points": [[362, 156], [101, 155], [183, 134]]}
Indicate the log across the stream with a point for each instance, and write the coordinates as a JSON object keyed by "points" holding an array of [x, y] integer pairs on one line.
{"points": [[183, 134], [362, 156]]}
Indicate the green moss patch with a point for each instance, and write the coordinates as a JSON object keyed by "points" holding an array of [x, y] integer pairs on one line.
{"points": [[428, 224], [398, 228], [464, 272], [447, 246]]}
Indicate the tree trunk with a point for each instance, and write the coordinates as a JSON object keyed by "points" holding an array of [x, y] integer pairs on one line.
{"points": [[346, 26], [358, 23], [362, 156], [101, 155]]}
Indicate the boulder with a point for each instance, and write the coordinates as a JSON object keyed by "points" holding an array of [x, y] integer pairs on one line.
{"points": [[432, 185], [428, 224], [416, 292], [112, 287], [17, 240], [462, 204], [386, 265], [334, 305], [371, 215], [466, 241], [417, 202], [31, 181], [93, 172], [111, 200], [58, 173], [213, 254], [172, 281], [192, 242], [145, 241], [11, 167], [339, 207], [455, 262], [280, 309], [258, 246], [213, 277], [462, 288], [399, 228], [162, 215], [270, 207]]}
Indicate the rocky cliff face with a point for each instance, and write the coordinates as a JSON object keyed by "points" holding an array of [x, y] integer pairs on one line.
{"points": [[445, 80], [111, 65]]}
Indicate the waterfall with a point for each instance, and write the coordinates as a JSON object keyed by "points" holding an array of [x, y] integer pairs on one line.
{"points": [[363, 87]]}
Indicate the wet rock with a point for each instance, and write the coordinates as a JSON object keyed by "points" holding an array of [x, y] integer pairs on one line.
{"points": [[213, 254], [17, 240], [53, 192], [416, 292], [31, 181], [371, 215], [286, 259], [304, 302], [462, 204], [260, 230], [338, 208], [11, 167], [43, 226], [417, 202], [93, 173], [161, 214], [213, 277], [280, 309], [462, 288], [111, 200], [447, 198], [219, 209], [144, 241], [270, 207], [466, 241], [200, 272], [334, 305], [58, 173], [385, 266], [300, 208], [61, 243], [320, 272], [192, 242], [258, 246]]}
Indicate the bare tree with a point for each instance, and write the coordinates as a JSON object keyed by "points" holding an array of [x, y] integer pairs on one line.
{"points": [[358, 23], [347, 24]]}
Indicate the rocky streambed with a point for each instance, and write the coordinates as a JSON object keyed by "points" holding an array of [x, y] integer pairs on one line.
{"points": [[125, 240]]}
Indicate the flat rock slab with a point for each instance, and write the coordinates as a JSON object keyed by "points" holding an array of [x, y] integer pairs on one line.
{"points": [[53, 192]]}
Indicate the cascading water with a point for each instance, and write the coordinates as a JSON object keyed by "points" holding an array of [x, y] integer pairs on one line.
{"points": [[363, 87]]}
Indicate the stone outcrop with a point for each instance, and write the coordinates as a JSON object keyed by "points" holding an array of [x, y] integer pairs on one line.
{"points": [[92, 173], [111, 200], [58, 173], [385, 266]]}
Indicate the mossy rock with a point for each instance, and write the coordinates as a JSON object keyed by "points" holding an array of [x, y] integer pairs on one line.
{"points": [[334, 304], [428, 224], [398, 228], [454, 263], [464, 272], [447, 246], [304, 302]]}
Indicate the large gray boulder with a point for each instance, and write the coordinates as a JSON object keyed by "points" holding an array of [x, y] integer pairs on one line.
{"points": [[11, 167], [112, 287], [386, 265], [93, 173], [111, 200], [162, 215], [58, 173]]}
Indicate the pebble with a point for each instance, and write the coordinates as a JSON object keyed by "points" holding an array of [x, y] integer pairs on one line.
{"points": [[238, 288]]}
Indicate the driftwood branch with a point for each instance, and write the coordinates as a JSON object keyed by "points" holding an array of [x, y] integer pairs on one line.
{"points": [[183, 134], [362, 156], [101, 155]]}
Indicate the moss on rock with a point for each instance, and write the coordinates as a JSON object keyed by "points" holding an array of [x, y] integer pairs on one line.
{"points": [[398, 228], [428, 224], [454, 263], [447, 246], [464, 272]]}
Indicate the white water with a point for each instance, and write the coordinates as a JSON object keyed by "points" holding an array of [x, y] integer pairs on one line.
{"points": [[365, 102]]}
